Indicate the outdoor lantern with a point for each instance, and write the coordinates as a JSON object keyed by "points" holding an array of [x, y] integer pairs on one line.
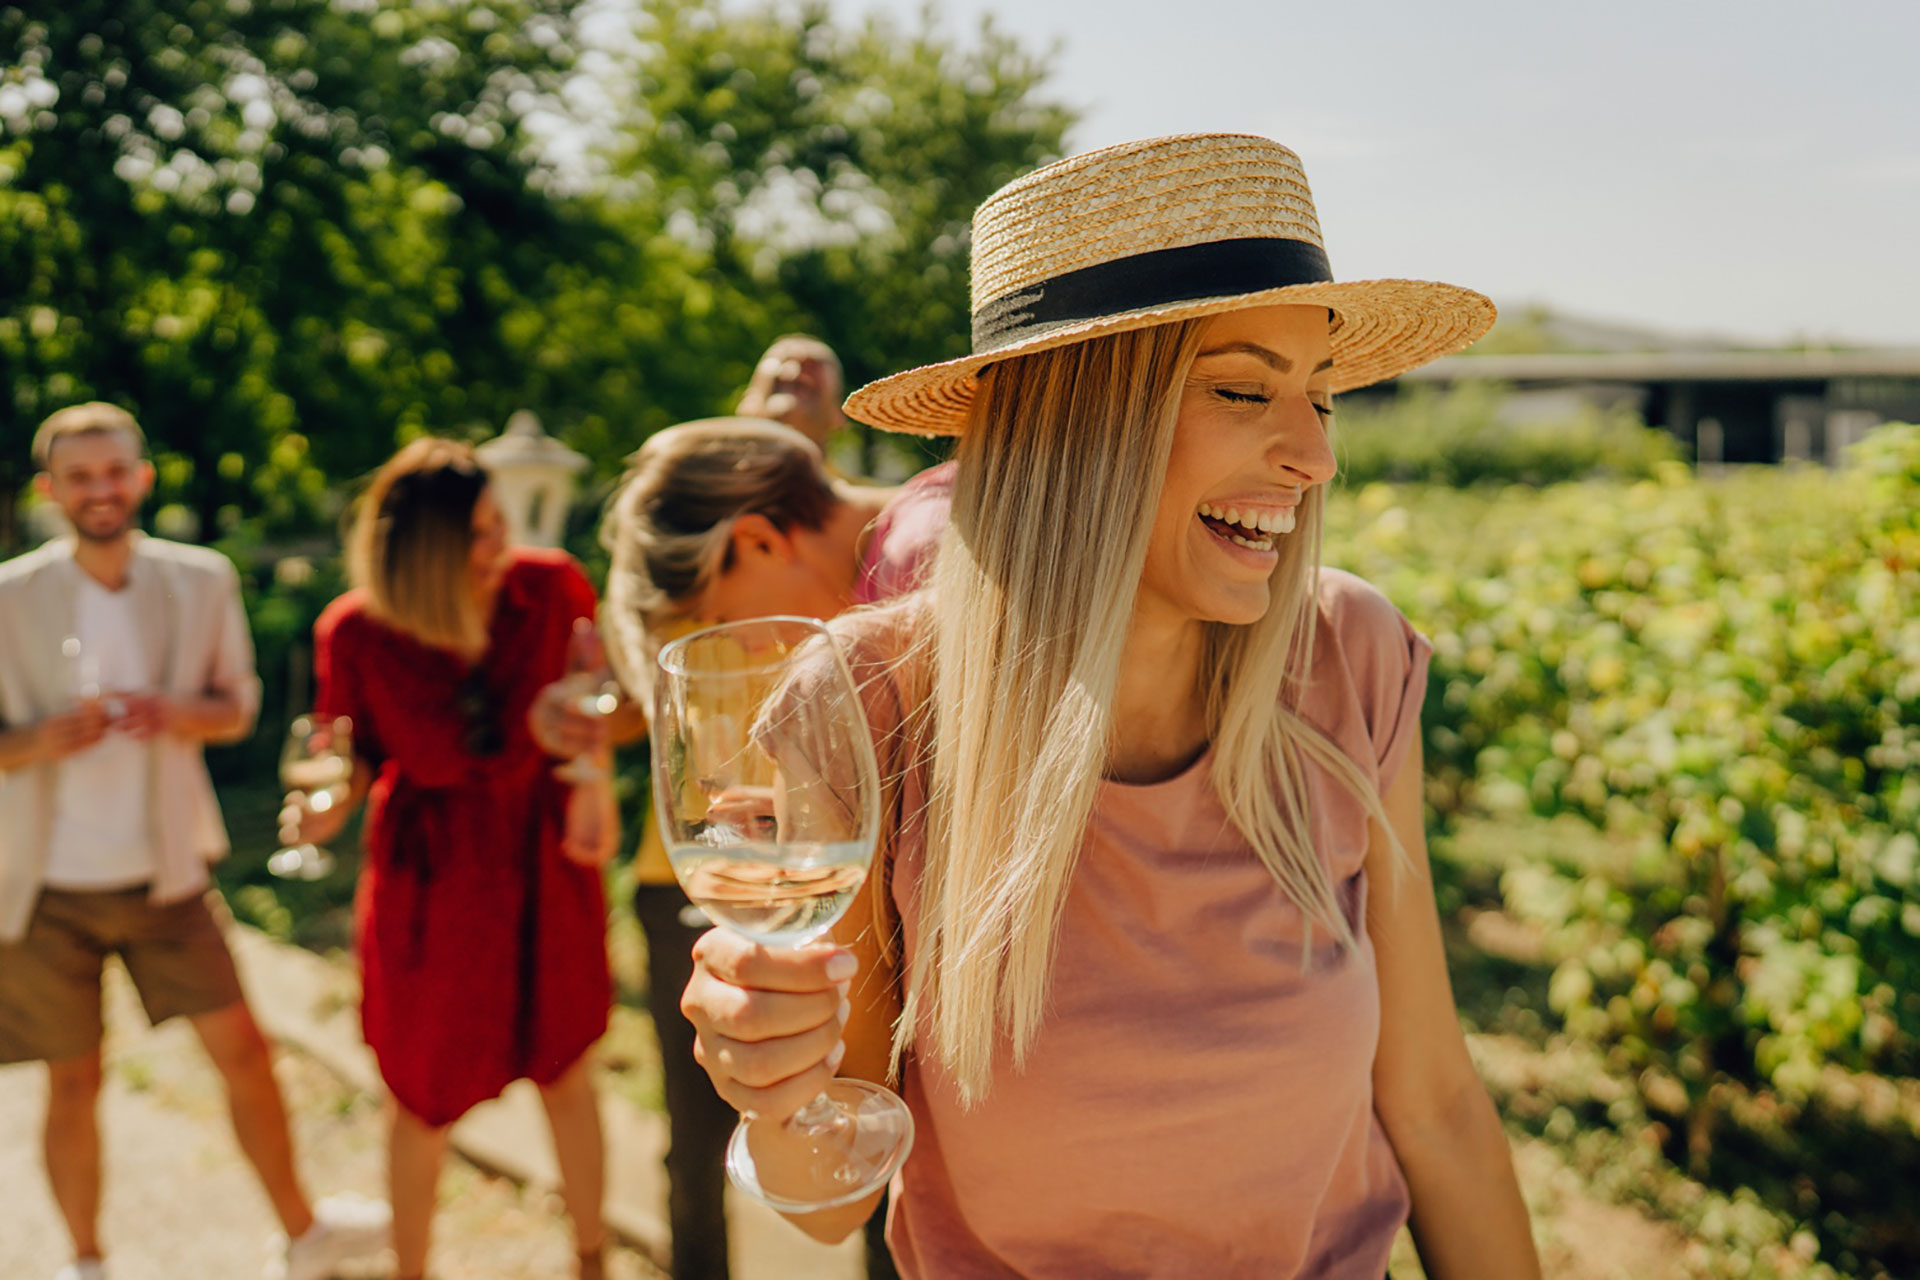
{"points": [[533, 479]]}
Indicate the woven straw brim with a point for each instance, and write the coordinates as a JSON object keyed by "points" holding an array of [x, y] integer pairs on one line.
{"points": [[1386, 328]]}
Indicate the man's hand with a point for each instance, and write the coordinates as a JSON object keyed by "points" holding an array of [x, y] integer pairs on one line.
{"points": [[144, 716], [73, 731]]}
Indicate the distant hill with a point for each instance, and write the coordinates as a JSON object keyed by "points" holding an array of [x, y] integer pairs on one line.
{"points": [[1533, 329]]}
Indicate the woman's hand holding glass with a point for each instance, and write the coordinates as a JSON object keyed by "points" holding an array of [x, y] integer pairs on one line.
{"points": [[316, 767], [768, 798]]}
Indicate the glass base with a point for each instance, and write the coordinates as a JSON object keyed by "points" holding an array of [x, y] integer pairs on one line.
{"points": [[301, 862], [822, 1160]]}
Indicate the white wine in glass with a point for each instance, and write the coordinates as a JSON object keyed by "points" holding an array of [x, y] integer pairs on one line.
{"points": [[591, 690], [768, 798], [318, 762]]}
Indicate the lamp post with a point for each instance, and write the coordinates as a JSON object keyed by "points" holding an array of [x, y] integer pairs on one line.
{"points": [[533, 479]]}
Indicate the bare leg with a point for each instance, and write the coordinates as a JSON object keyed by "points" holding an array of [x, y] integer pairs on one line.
{"points": [[71, 1144], [415, 1152], [241, 1055], [573, 1109]]}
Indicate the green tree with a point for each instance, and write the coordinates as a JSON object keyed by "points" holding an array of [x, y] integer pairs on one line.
{"points": [[288, 233], [280, 232], [833, 170]]}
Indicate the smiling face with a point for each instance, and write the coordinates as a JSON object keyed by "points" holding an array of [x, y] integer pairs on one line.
{"points": [[98, 479], [1251, 439]]}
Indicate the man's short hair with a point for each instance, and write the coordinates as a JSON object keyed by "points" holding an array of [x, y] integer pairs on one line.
{"points": [[96, 417], [825, 353]]}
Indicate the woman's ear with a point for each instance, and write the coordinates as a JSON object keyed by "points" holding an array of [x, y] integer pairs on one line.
{"points": [[755, 537]]}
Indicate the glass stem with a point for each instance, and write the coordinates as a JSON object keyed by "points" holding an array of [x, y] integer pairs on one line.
{"points": [[819, 1117]]}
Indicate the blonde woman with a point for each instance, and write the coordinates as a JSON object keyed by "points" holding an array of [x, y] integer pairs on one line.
{"points": [[480, 917], [716, 521], [1154, 957]]}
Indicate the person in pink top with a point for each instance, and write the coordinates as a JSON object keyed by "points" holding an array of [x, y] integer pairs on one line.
{"points": [[1150, 950]]}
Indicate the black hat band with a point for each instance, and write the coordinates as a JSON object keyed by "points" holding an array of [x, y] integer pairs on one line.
{"points": [[1218, 269]]}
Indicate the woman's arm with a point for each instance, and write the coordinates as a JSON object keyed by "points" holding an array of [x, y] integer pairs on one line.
{"points": [[774, 1025], [1468, 1218]]}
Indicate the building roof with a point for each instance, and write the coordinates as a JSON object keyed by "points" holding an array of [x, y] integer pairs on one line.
{"points": [[1675, 366]]}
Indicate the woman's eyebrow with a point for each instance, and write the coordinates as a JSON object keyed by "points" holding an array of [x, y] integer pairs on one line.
{"points": [[1258, 352]]}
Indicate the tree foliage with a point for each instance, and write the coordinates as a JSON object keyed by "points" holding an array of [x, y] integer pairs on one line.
{"points": [[288, 233]]}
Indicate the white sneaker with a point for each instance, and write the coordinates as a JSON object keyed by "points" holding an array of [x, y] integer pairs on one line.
{"points": [[90, 1269], [344, 1227]]}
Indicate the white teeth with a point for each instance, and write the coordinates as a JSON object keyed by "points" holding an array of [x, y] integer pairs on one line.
{"points": [[1264, 544], [1264, 522]]}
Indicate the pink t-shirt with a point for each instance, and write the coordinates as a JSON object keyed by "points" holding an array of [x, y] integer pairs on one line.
{"points": [[1199, 1101], [906, 534]]}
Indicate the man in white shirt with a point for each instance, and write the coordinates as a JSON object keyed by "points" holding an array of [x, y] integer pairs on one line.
{"points": [[120, 656]]}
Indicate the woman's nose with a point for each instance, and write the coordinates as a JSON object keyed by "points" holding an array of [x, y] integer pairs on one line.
{"points": [[1303, 444]]}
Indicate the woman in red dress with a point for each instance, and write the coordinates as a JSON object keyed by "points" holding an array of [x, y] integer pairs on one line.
{"points": [[479, 915]]}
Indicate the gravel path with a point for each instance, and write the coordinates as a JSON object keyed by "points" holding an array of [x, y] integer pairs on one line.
{"points": [[182, 1204]]}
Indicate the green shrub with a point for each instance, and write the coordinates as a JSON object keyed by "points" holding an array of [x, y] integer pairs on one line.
{"points": [[1456, 437]]}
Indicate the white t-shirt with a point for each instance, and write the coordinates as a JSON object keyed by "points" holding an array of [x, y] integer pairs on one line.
{"points": [[101, 838]]}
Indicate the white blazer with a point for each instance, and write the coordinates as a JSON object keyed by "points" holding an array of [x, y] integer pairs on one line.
{"points": [[187, 602]]}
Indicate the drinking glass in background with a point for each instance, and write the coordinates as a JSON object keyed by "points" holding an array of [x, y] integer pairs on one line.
{"points": [[85, 687], [768, 799], [590, 689], [317, 761]]}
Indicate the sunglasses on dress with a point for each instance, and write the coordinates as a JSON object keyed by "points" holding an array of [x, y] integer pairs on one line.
{"points": [[477, 704]]}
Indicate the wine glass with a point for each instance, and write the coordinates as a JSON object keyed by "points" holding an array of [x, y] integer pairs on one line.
{"points": [[590, 689], [768, 798], [83, 671], [317, 760]]}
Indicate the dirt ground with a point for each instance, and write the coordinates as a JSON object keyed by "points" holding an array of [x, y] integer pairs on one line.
{"points": [[182, 1204]]}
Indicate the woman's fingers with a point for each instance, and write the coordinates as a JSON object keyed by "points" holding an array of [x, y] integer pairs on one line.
{"points": [[781, 1096], [742, 962], [768, 1020]]}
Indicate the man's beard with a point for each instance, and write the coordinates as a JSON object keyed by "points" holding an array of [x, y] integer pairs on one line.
{"points": [[121, 528]]}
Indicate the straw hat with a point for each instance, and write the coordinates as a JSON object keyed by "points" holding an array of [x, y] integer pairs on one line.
{"points": [[1167, 229]]}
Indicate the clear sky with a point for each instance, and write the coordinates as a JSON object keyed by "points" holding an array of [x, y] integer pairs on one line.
{"points": [[1747, 168]]}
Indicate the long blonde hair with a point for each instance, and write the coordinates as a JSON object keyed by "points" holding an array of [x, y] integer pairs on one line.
{"points": [[1061, 469]]}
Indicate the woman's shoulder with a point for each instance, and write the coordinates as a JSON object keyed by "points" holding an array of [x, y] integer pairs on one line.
{"points": [[1350, 606], [546, 571], [542, 564], [344, 614], [888, 651], [1369, 669], [1359, 622], [884, 634]]}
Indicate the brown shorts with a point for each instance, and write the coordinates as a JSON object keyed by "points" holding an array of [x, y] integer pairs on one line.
{"points": [[50, 979]]}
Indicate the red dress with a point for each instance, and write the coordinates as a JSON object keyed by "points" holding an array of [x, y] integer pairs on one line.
{"points": [[482, 948]]}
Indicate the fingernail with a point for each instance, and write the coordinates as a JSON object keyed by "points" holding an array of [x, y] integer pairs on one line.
{"points": [[842, 967], [833, 1058], [845, 1010]]}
